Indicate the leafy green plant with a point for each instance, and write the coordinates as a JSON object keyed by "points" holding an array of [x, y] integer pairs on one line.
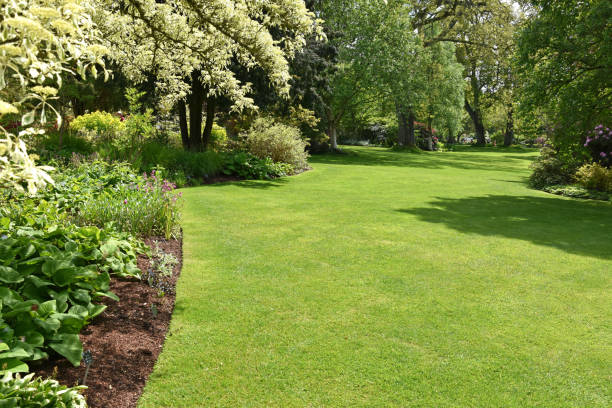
{"points": [[51, 279], [549, 170], [52, 273], [595, 177], [576, 191], [163, 262], [31, 392], [100, 126], [247, 166], [188, 165], [138, 128], [218, 137], [279, 142], [147, 208]]}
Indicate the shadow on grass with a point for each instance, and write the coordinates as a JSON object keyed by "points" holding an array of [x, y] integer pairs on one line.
{"points": [[472, 159], [257, 184], [574, 226]]}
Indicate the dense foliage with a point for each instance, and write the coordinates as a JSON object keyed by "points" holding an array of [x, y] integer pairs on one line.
{"points": [[279, 142], [30, 392], [565, 60]]}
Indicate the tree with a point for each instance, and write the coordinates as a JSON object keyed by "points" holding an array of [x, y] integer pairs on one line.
{"points": [[189, 47], [41, 40], [565, 63], [485, 49]]}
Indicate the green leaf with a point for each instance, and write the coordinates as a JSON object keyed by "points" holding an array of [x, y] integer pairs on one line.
{"points": [[108, 294], [12, 365], [27, 118], [9, 275], [49, 325], [28, 251], [48, 307], [69, 346], [95, 310], [81, 296], [65, 277], [15, 353]]}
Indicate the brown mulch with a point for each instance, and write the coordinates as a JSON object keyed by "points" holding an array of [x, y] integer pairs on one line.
{"points": [[124, 341]]}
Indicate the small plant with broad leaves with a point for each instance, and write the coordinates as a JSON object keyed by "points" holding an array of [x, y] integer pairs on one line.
{"points": [[36, 392]]}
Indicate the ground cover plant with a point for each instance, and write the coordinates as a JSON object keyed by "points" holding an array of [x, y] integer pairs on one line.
{"points": [[29, 392], [431, 279]]}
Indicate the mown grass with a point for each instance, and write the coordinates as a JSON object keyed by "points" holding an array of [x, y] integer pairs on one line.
{"points": [[385, 278]]}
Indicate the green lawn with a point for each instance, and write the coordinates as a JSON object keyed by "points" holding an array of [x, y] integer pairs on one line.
{"points": [[391, 279]]}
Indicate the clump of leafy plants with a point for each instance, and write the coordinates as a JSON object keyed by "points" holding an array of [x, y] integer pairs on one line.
{"points": [[248, 166], [577, 191], [52, 277], [35, 392], [162, 261], [159, 274], [145, 208]]}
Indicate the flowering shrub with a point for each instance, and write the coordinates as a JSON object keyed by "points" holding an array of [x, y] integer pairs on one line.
{"points": [[146, 208], [599, 143]]}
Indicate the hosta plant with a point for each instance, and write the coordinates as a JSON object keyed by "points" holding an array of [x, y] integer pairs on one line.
{"points": [[36, 392], [52, 279]]}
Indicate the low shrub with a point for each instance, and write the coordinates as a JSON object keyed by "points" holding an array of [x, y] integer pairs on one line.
{"points": [[248, 166], [595, 177], [549, 169], [575, 191], [279, 142], [355, 142], [98, 126], [146, 208], [83, 179], [138, 128], [31, 392], [218, 137], [182, 166]]}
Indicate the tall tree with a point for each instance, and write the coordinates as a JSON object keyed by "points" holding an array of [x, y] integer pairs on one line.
{"points": [[565, 64], [485, 49], [189, 46]]}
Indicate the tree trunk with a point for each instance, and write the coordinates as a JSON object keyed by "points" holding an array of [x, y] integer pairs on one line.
{"points": [[474, 111], [402, 128], [429, 135], [451, 136], [182, 112], [196, 102], [405, 129], [509, 136], [410, 137], [333, 136], [211, 105], [477, 121]]}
